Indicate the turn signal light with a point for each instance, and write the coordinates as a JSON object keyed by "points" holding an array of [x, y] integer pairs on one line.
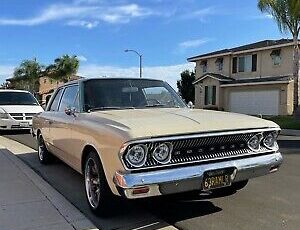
{"points": [[141, 190]]}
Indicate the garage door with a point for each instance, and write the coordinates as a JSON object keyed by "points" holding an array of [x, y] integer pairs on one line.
{"points": [[265, 102]]}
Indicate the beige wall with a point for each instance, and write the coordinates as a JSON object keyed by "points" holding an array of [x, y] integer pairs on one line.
{"points": [[199, 93], [46, 84], [265, 67]]}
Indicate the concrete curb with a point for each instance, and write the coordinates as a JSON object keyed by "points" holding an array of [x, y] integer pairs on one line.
{"points": [[69, 212]]}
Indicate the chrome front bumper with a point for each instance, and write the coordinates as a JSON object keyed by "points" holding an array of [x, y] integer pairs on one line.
{"points": [[189, 178], [11, 124]]}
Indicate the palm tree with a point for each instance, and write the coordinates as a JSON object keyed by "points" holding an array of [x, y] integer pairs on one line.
{"points": [[286, 13], [63, 68], [26, 76]]}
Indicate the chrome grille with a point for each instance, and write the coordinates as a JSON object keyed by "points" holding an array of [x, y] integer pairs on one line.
{"points": [[201, 149], [22, 116]]}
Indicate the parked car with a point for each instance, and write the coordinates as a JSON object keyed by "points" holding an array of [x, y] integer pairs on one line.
{"points": [[17, 107], [136, 138]]}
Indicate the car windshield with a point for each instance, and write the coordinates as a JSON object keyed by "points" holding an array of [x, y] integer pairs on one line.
{"points": [[101, 94], [17, 98]]}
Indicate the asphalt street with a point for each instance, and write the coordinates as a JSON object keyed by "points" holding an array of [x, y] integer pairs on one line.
{"points": [[269, 202]]}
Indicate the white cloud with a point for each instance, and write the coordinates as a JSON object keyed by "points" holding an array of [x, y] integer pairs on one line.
{"points": [[82, 58], [6, 71], [168, 73], [193, 43], [200, 14], [86, 1], [82, 23], [52, 13], [262, 16], [82, 15]]}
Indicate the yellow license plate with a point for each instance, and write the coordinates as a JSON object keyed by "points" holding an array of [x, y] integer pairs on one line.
{"points": [[216, 179]]}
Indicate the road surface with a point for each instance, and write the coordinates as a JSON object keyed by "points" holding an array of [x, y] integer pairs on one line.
{"points": [[270, 202]]}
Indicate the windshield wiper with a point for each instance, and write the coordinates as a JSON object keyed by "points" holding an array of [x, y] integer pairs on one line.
{"points": [[109, 108]]}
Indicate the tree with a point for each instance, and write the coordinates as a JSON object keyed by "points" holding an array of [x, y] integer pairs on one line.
{"points": [[26, 76], [4, 85], [63, 68], [185, 86], [286, 13]]}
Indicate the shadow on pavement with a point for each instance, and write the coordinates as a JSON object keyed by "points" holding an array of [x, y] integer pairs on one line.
{"points": [[289, 146], [14, 132], [173, 211], [129, 214]]}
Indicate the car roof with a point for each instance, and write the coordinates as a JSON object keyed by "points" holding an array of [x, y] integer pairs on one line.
{"points": [[105, 78], [14, 90]]}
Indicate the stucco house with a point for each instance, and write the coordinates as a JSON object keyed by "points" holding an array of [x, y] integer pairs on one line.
{"points": [[48, 85], [252, 79]]}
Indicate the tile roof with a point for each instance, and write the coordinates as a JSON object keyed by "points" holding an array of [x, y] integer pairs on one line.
{"points": [[219, 77], [258, 80], [224, 80], [256, 45]]}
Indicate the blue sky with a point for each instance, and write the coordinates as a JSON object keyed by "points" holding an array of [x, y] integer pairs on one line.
{"points": [[166, 32]]}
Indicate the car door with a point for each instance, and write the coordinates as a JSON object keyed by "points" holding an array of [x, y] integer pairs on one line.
{"points": [[61, 125], [47, 117]]}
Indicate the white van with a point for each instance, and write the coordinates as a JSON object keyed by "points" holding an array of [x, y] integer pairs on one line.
{"points": [[17, 107]]}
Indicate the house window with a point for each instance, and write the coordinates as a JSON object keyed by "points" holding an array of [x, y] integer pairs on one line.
{"points": [[247, 63], [276, 58], [210, 95], [203, 65], [219, 64], [45, 80], [234, 65]]}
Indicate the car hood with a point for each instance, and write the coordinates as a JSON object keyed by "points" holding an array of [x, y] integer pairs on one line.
{"points": [[22, 108], [162, 121]]}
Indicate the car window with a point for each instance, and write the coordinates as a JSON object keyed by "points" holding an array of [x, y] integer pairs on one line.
{"points": [[17, 98], [68, 98], [129, 93], [158, 95], [54, 105]]}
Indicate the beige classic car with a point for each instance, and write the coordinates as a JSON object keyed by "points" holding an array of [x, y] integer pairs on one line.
{"points": [[136, 138]]}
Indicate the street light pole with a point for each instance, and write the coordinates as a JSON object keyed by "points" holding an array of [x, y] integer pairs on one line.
{"points": [[140, 59]]}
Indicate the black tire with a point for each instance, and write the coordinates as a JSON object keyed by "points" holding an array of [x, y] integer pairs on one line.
{"points": [[45, 157], [98, 194]]}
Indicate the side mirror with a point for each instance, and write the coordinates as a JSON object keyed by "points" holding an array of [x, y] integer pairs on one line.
{"points": [[190, 105], [70, 111]]}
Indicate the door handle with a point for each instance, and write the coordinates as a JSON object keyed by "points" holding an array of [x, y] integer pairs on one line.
{"points": [[49, 122]]}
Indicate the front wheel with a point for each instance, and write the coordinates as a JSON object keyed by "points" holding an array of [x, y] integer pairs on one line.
{"points": [[98, 193]]}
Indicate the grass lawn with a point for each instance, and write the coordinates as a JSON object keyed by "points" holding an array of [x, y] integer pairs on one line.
{"points": [[285, 122]]}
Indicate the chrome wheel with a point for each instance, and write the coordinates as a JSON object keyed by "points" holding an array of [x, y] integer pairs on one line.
{"points": [[92, 183]]}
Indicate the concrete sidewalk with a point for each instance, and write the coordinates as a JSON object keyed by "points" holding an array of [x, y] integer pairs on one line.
{"points": [[27, 202]]}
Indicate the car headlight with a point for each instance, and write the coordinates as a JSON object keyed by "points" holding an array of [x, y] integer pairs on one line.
{"points": [[270, 141], [162, 153], [137, 155], [254, 142], [3, 114]]}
